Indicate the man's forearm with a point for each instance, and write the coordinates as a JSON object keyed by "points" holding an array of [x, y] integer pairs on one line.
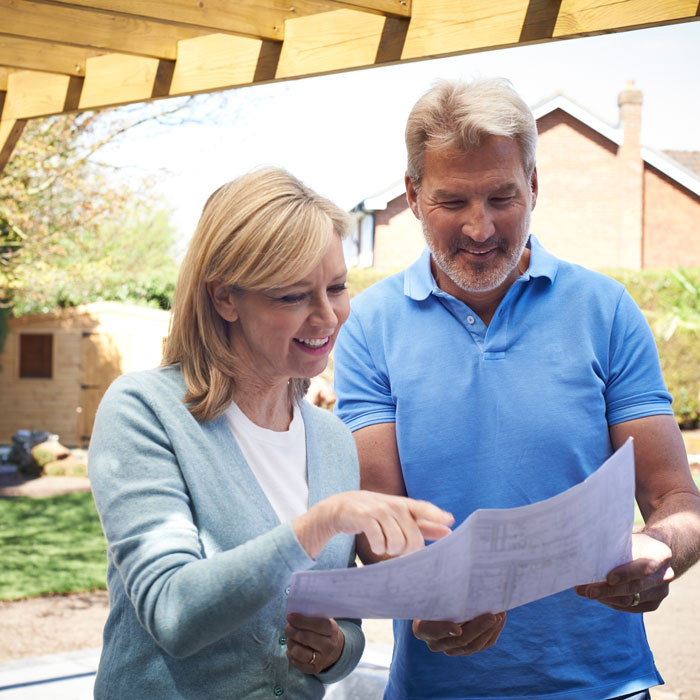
{"points": [[676, 522]]}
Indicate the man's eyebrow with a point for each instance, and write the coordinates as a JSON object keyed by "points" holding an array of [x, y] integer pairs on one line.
{"points": [[505, 187], [445, 194]]}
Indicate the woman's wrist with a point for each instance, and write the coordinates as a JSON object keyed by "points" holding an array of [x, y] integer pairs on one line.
{"points": [[313, 528]]}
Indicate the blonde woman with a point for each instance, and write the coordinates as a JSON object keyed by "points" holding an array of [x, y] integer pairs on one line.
{"points": [[215, 480]]}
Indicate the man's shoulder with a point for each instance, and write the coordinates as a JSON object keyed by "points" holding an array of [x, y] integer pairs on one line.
{"points": [[381, 295], [586, 281]]}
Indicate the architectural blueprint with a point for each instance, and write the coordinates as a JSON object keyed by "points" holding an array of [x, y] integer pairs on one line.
{"points": [[494, 561]]}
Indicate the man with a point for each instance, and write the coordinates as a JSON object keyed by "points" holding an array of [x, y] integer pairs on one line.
{"points": [[489, 374]]}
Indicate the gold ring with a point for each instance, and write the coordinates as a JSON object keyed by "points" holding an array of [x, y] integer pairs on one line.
{"points": [[635, 599], [313, 658]]}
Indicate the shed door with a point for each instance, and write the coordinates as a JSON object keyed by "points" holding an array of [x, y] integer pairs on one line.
{"points": [[100, 365]]}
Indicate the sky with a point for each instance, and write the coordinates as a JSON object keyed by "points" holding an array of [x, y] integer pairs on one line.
{"points": [[342, 134]]}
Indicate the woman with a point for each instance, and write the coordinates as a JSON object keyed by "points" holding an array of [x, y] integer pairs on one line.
{"points": [[215, 481]]}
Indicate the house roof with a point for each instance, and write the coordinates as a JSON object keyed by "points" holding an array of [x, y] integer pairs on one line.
{"points": [[91, 314], [681, 166], [690, 160], [675, 168], [63, 56]]}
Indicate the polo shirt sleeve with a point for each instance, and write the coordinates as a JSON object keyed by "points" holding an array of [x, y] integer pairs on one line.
{"points": [[635, 387], [361, 380]]}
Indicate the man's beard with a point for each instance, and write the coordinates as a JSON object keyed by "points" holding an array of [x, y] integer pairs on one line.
{"points": [[474, 276]]}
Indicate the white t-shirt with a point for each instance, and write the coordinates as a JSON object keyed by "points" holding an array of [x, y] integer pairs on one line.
{"points": [[277, 459]]}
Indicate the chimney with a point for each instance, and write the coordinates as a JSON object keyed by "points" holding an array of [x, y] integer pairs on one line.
{"points": [[630, 103], [631, 179]]}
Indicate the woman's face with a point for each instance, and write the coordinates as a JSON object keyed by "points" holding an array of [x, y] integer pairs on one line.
{"points": [[289, 332]]}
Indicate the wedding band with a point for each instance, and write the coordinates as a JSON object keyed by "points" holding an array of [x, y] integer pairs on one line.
{"points": [[313, 655], [635, 599]]}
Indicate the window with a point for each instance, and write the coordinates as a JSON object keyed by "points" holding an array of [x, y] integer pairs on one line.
{"points": [[35, 356]]}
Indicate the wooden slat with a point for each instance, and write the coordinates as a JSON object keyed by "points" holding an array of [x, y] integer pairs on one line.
{"points": [[97, 30], [10, 131], [118, 79], [43, 56], [4, 72], [440, 27], [31, 94], [215, 61], [584, 16], [329, 42]]}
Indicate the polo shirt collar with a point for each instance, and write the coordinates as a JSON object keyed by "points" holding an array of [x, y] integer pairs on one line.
{"points": [[419, 283]]}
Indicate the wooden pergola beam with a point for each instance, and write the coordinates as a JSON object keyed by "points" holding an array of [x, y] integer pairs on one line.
{"points": [[65, 55], [43, 56], [263, 19], [95, 30]]}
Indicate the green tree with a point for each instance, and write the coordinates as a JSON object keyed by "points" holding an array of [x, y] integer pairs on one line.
{"points": [[73, 230]]}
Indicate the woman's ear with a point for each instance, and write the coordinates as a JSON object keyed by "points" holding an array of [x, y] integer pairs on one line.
{"points": [[224, 300]]}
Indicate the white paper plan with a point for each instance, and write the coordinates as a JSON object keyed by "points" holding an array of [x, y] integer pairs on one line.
{"points": [[495, 560]]}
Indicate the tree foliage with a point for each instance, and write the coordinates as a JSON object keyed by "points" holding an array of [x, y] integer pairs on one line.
{"points": [[73, 230]]}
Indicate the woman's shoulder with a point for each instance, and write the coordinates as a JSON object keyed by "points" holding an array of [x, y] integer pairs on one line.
{"points": [[151, 386]]}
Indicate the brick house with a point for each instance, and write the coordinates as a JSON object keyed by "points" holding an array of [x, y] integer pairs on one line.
{"points": [[606, 201]]}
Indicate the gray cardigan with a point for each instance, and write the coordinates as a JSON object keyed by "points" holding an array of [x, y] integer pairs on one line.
{"points": [[198, 562]]}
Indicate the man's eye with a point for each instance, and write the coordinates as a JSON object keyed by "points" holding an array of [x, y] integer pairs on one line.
{"points": [[501, 200]]}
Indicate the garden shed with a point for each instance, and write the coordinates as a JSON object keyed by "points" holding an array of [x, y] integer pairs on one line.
{"points": [[55, 367]]}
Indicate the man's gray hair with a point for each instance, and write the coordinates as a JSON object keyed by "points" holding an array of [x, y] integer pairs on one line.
{"points": [[454, 113]]}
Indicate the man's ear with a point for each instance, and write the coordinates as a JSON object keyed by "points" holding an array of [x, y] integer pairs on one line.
{"points": [[534, 188], [224, 300], [411, 196]]}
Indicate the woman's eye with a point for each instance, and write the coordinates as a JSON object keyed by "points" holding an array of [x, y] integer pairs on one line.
{"points": [[292, 298], [337, 288]]}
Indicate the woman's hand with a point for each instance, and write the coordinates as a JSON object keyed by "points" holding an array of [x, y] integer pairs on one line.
{"points": [[313, 643], [393, 525]]}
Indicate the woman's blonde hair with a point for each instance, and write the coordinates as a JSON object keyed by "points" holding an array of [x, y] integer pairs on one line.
{"points": [[454, 113], [263, 230]]}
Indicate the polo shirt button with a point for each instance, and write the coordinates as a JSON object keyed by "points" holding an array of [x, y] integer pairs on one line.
{"points": [[286, 590], [470, 319], [279, 690], [283, 639], [501, 312]]}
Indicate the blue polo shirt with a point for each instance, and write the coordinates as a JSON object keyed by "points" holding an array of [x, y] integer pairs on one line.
{"points": [[498, 417]]}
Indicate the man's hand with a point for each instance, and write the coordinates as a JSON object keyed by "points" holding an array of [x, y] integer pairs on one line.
{"points": [[460, 639], [313, 643], [638, 586]]}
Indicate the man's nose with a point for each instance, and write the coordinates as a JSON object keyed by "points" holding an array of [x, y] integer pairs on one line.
{"points": [[478, 224]]}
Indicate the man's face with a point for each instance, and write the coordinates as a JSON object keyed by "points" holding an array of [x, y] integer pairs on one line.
{"points": [[475, 207]]}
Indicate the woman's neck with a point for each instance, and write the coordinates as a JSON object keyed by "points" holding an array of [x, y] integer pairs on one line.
{"points": [[267, 406]]}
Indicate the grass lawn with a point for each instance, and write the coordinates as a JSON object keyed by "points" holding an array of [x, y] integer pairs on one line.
{"points": [[50, 545]]}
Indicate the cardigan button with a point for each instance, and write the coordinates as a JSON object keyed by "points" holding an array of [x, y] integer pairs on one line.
{"points": [[283, 640], [278, 690]]}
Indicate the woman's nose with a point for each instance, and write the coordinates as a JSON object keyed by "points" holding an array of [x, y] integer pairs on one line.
{"points": [[323, 313]]}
